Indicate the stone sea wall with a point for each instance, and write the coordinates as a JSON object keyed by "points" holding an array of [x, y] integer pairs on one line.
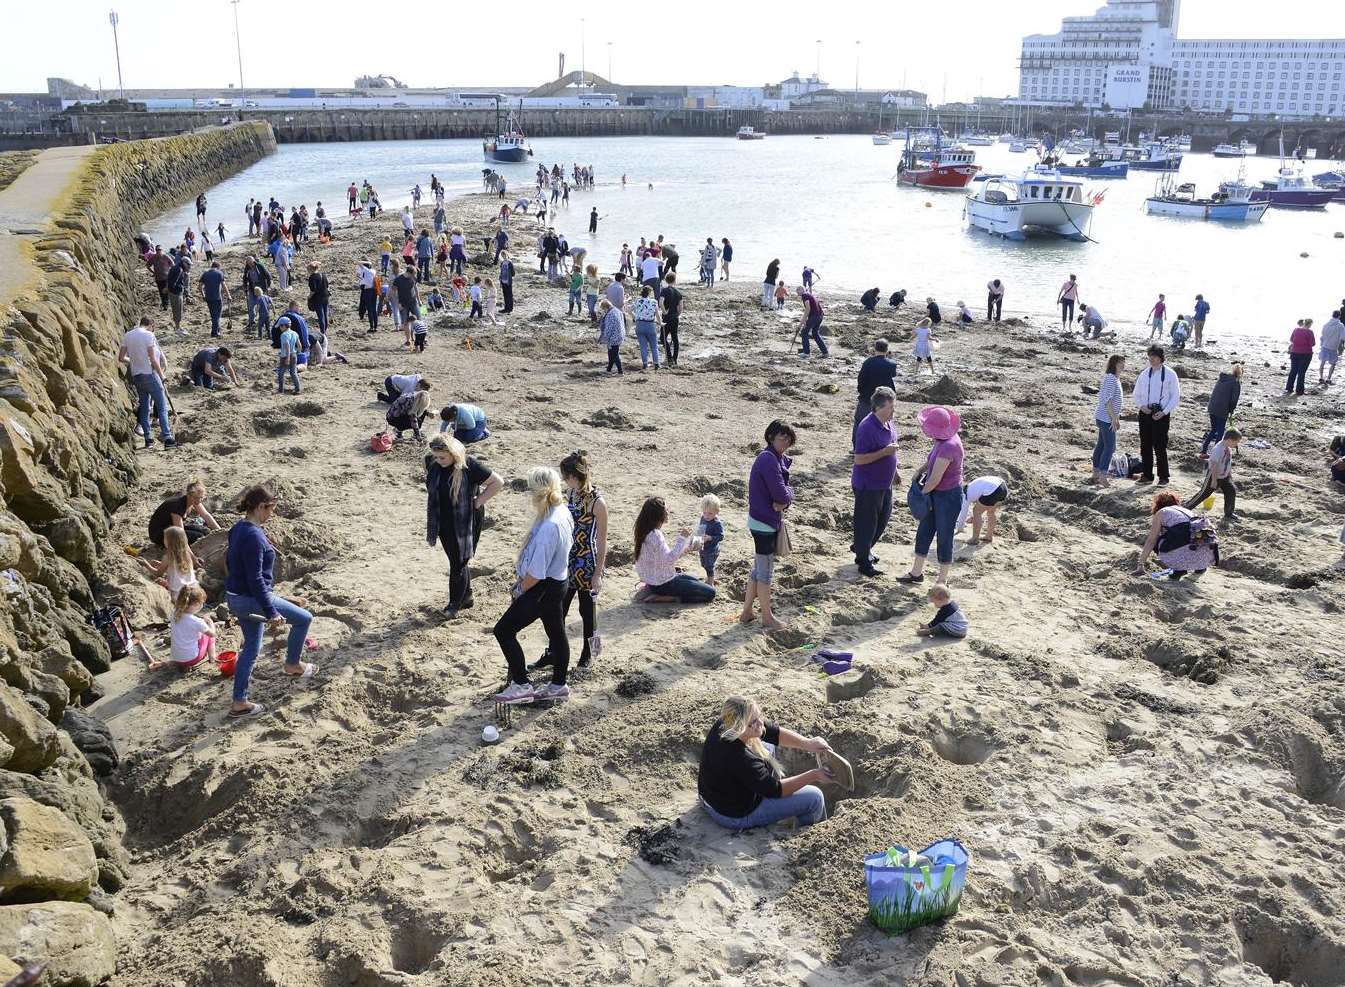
{"points": [[66, 462]]}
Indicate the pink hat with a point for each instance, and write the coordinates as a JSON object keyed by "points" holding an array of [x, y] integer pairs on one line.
{"points": [[939, 423]]}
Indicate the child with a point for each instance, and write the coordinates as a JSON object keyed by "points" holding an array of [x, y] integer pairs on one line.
{"points": [[193, 636], [476, 312], [1179, 332], [287, 363], [409, 252], [459, 285], [781, 293], [385, 253], [964, 313], [264, 304], [207, 247], [420, 332], [809, 276], [1219, 475], [981, 500], [627, 260], [711, 531], [924, 344], [656, 560], [591, 289], [441, 256], [176, 569], [434, 300], [948, 620], [220, 230], [576, 287], [490, 302]]}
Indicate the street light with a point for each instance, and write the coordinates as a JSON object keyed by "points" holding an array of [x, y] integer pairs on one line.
{"points": [[238, 43], [116, 46], [818, 71], [583, 63], [609, 61], [857, 70]]}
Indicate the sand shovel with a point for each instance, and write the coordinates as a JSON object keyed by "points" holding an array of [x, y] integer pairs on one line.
{"points": [[841, 771]]}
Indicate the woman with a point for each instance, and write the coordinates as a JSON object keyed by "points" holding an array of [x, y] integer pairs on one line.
{"points": [[1108, 418], [1223, 402], [611, 333], [588, 553], [726, 258], [1302, 344], [942, 481], [409, 410], [319, 294], [458, 488], [248, 593], [646, 311], [543, 573], [655, 559], [740, 782], [1176, 552], [457, 252], [769, 495]]}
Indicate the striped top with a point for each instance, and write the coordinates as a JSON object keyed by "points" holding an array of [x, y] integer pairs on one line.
{"points": [[1108, 399]]}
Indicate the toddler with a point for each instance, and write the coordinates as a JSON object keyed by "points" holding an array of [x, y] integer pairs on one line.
{"points": [[434, 300], [193, 636], [476, 311], [780, 294], [176, 569], [576, 288], [420, 333], [711, 531], [459, 285], [948, 620], [385, 253], [263, 303], [490, 302]]}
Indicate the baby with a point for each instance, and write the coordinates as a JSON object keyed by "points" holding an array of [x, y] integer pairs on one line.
{"points": [[948, 620], [711, 529]]}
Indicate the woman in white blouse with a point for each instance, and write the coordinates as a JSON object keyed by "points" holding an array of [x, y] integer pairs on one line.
{"points": [[655, 559]]}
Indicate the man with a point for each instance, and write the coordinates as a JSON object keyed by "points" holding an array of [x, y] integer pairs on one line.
{"points": [[670, 258], [186, 511], [408, 221], [1093, 322], [501, 243], [593, 220], [210, 365], [140, 350], [408, 299], [176, 286], [395, 385], [257, 216], [671, 300], [1202, 310], [870, 300], [874, 473], [368, 297], [1333, 334], [768, 284], [1156, 394], [507, 283], [650, 275], [424, 252], [994, 303], [352, 194], [200, 210], [812, 322], [247, 212], [616, 291], [254, 276], [161, 265], [879, 370], [466, 421], [215, 293]]}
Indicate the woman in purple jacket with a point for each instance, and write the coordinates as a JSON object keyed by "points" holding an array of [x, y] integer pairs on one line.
{"points": [[768, 497]]}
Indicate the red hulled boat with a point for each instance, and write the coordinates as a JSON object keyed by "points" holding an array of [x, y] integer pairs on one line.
{"points": [[936, 166]]}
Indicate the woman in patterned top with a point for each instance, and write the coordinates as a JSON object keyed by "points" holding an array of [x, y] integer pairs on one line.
{"points": [[588, 552]]}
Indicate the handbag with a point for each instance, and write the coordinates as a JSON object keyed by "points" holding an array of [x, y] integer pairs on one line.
{"points": [[783, 544], [909, 889], [917, 500], [380, 442]]}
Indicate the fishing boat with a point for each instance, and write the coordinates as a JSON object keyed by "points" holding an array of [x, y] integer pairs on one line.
{"points": [[898, 135], [977, 140], [751, 134], [1291, 189], [936, 166], [509, 142], [1233, 203], [1184, 142], [1333, 180], [1096, 165], [1241, 149], [1041, 201], [1017, 146], [1153, 156], [882, 140]]}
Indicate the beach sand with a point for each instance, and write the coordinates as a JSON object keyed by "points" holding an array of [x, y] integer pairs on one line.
{"points": [[1148, 775]]}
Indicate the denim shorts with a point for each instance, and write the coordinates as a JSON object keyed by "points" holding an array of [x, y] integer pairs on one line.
{"points": [[763, 562]]}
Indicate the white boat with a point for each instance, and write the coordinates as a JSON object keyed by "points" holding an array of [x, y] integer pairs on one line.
{"points": [[1040, 201], [1241, 149], [882, 140], [1231, 204], [751, 134], [898, 135], [977, 140], [1153, 156], [1018, 146], [1184, 142]]}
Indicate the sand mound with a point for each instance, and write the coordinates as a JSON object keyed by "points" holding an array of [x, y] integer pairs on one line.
{"points": [[947, 391]]}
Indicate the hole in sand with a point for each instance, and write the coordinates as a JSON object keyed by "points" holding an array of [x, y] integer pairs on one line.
{"points": [[1175, 658], [307, 409], [962, 742], [415, 949], [1289, 952], [273, 423]]}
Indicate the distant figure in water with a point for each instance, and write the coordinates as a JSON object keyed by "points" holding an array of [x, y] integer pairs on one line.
{"points": [[593, 220]]}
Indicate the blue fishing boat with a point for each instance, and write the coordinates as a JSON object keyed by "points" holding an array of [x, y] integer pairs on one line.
{"points": [[1095, 166], [509, 143]]}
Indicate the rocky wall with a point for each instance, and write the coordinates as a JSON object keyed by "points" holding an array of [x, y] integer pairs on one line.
{"points": [[66, 462]]}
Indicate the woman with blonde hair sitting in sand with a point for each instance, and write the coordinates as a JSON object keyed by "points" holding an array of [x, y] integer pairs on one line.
{"points": [[543, 569], [741, 784]]}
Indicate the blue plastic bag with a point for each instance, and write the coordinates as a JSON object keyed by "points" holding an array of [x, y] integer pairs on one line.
{"points": [[919, 502], [909, 889]]}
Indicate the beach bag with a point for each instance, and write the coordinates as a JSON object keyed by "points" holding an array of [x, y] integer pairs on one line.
{"points": [[783, 544], [909, 889], [111, 623], [917, 500], [380, 442]]}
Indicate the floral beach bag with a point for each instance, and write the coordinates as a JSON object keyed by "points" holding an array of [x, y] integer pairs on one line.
{"points": [[909, 889]]}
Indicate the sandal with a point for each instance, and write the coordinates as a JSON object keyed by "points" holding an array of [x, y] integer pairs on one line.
{"points": [[911, 578], [307, 670], [251, 710]]}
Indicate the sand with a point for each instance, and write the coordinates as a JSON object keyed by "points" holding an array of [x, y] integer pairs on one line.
{"points": [[1148, 775]]}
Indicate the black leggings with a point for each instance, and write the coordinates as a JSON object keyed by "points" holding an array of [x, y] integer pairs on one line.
{"points": [[459, 576], [588, 613], [671, 345], [1225, 486], [543, 602]]}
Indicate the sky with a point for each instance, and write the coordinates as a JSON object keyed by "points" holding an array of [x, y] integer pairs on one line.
{"points": [[950, 51]]}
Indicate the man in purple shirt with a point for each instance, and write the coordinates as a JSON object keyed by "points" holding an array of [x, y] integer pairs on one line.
{"points": [[812, 322], [874, 473]]}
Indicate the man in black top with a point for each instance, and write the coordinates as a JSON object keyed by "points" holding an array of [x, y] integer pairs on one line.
{"points": [[671, 299], [768, 285], [593, 220], [870, 299], [405, 286], [877, 371]]}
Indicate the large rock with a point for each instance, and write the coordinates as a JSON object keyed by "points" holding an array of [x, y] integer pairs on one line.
{"points": [[92, 736], [850, 685], [34, 739], [48, 856], [74, 940]]}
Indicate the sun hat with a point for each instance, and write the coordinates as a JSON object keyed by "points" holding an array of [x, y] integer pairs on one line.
{"points": [[939, 423]]}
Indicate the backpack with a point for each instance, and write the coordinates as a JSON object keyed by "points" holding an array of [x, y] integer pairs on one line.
{"points": [[111, 623], [1196, 532], [381, 442]]}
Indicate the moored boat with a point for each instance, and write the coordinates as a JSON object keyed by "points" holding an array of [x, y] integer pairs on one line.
{"points": [[1291, 189], [751, 134], [1241, 149], [937, 168], [1153, 156], [509, 143], [1233, 203], [1096, 165], [1038, 202], [1333, 180], [882, 140]]}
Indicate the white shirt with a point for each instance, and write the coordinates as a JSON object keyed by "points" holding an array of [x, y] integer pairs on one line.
{"points": [[1160, 388], [366, 275], [140, 343], [980, 487], [177, 580], [408, 223], [1221, 461], [405, 383], [186, 636], [1109, 398], [649, 269]]}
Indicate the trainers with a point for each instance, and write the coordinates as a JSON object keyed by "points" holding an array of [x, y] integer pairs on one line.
{"points": [[169, 442], [552, 693], [517, 693], [542, 662]]}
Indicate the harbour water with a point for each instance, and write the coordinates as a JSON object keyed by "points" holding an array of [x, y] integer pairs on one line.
{"points": [[833, 204]]}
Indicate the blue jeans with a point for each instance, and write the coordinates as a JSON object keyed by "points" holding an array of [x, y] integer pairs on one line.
{"points": [[149, 386], [253, 619], [808, 805], [648, 340], [1217, 425], [686, 589], [709, 558], [1105, 447], [322, 315], [812, 330], [575, 301], [469, 435], [283, 367], [940, 522], [215, 306], [592, 306]]}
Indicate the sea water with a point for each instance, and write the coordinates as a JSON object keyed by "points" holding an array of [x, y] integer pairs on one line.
{"points": [[834, 204]]}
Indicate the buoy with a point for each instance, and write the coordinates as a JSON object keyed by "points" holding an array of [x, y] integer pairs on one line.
{"points": [[1303, 254], [929, 205]]}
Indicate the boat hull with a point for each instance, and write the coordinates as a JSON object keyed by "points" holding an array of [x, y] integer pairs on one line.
{"points": [[1229, 154], [1225, 212], [939, 176], [1108, 169], [1019, 220], [506, 154], [1167, 164], [1294, 198]]}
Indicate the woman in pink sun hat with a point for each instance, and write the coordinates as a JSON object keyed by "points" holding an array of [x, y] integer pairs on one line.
{"points": [[942, 482]]}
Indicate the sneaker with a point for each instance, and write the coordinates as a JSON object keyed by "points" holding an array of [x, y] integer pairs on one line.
{"points": [[169, 442], [552, 693], [517, 693], [542, 662]]}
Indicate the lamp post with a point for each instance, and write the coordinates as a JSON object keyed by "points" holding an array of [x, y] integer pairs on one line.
{"points": [[857, 71], [583, 63], [238, 44], [817, 71], [116, 46], [609, 61]]}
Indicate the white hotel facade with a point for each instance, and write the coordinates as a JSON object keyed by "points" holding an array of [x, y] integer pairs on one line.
{"points": [[1128, 54]]}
